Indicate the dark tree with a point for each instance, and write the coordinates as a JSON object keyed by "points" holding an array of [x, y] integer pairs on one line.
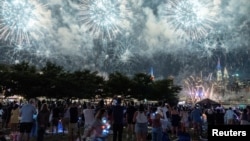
{"points": [[118, 84], [166, 91], [142, 86]]}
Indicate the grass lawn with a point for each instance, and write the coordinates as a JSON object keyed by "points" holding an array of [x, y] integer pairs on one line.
{"points": [[58, 137], [61, 137]]}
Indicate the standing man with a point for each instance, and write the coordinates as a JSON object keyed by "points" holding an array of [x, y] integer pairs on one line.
{"points": [[117, 116], [129, 116], [229, 116], [196, 114], [26, 113], [73, 119]]}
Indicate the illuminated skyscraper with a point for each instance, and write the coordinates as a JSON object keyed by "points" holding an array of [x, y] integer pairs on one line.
{"points": [[152, 77], [225, 76], [219, 73]]}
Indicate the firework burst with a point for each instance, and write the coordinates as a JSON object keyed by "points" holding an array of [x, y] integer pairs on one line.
{"points": [[125, 48], [197, 88], [104, 18], [20, 20], [193, 18]]}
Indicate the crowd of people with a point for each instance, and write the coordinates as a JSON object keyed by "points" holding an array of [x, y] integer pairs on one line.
{"points": [[89, 121]]}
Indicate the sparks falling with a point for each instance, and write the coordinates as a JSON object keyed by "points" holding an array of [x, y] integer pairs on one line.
{"points": [[20, 20], [104, 18], [193, 18]]}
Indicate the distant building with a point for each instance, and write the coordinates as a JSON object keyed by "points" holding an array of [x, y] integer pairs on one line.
{"points": [[225, 76], [152, 77], [219, 72]]}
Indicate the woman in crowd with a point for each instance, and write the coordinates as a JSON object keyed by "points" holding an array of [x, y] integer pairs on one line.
{"points": [[88, 116], [243, 117], [42, 121], [14, 121], [141, 123], [66, 117], [184, 119], [96, 128], [156, 125], [175, 120]]}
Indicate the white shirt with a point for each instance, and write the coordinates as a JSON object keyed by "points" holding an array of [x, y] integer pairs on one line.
{"points": [[88, 116], [1, 112], [229, 114], [164, 110], [141, 117]]}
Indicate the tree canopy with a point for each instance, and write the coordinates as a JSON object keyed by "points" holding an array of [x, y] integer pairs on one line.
{"points": [[52, 81]]}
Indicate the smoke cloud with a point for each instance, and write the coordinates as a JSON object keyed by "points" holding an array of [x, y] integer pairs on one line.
{"points": [[148, 41]]}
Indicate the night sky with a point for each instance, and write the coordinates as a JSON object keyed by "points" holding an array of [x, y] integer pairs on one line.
{"points": [[174, 37]]}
